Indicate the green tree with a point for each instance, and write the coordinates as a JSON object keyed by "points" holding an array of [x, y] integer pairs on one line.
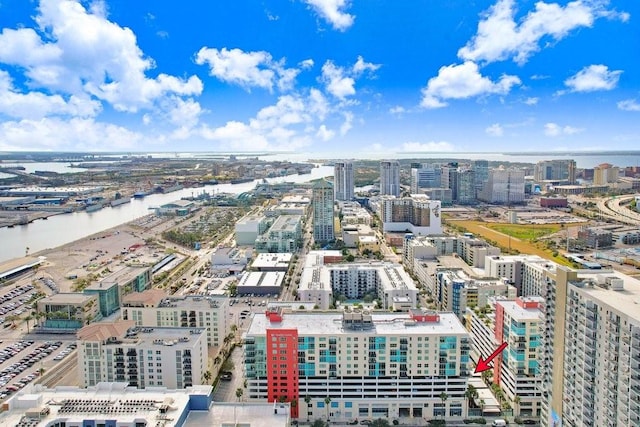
{"points": [[516, 402], [444, 396], [380, 422], [239, 393], [318, 423], [327, 402], [207, 376]]}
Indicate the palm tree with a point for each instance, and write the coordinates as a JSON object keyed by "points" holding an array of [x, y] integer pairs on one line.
{"points": [[327, 401], [307, 400], [207, 376], [471, 394], [482, 405], [239, 393], [444, 396], [27, 319], [516, 402]]}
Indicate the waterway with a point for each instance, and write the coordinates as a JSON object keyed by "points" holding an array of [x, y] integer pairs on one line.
{"points": [[62, 229]]}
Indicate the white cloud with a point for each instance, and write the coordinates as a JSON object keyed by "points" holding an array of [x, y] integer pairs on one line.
{"points": [[397, 110], [80, 52], [36, 105], [75, 134], [593, 78], [306, 64], [554, 130], [338, 84], [333, 11], [347, 124], [500, 37], [432, 146], [289, 124], [248, 69], [629, 105], [460, 82], [494, 130], [361, 66], [325, 134], [531, 101]]}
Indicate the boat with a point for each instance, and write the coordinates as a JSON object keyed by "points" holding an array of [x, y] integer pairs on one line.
{"points": [[139, 194], [118, 202], [94, 207], [241, 180]]}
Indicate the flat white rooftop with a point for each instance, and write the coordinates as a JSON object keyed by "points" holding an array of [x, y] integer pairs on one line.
{"points": [[626, 301], [519, 313], [102, 402], [383, 324]]}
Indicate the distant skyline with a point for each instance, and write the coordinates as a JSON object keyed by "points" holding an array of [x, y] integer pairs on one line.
{"points": [[315, 76]]}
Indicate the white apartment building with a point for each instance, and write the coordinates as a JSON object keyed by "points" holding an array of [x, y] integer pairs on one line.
{"points": [[143, 357], [353, 213], [387, 282], [284, 235], [390, 178], [416, 214], [455, 290], [525, 272], [343, 180], [596, 315], [518, 323], [249, 228], [474, 251], [370, 365], [154, 308]]}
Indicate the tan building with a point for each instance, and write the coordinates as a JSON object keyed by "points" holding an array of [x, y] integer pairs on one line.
{"points": [[143, 357], [154, 307], [605, 174]]}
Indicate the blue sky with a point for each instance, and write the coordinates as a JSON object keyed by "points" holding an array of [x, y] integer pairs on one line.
{"points": [[339, 76]]}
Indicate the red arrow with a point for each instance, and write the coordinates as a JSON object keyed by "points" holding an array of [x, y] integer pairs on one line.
{"points": [[483, 365]]}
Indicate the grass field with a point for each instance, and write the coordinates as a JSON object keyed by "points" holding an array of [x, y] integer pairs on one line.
{"points": [[525, 231], [514, 238]]}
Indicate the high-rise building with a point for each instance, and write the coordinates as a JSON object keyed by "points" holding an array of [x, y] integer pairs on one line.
{"points": [[504, 186], [390, 178], [605, 174], [343, 181], [424, 176], [466, 184], [449, 174], [591, 349], [555, 170], [142, 357], [481, 169], [518, 323], [322, 199], [359, 364]]}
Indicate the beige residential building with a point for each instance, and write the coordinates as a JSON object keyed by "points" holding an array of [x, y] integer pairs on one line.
{"points": [[143, 357], [155, 308]]}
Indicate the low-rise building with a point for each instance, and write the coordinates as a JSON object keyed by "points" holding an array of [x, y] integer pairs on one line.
{"points": [[272, 262], [143, 357], [109, 404], [68, 311], [176, 208], [351, 234], [260, 283], [154, 307], [230, 260]]}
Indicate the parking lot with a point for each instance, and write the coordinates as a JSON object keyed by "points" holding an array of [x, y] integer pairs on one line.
{"points": [[16, 301], [23, 361]]}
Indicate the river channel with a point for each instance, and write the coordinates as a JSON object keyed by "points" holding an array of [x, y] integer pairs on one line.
{"points": [[65, 228]]}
